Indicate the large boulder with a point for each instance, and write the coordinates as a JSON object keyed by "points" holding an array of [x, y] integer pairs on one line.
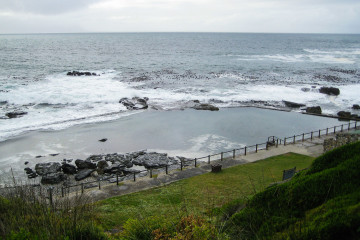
{"points": [[314, 110], [205, 106], [15, 114], [135, 103], [330, 91], [293, 104], [356, 106], [85, 164], [123, 159], [47, 168], [53, 178], [101, 165], [114, 168], [68, 168], [84, 173], [151, 160], [343, 114]]}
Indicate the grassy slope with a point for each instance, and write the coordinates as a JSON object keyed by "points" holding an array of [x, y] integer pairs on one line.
{"points": [[320, 203], [199, 194]]}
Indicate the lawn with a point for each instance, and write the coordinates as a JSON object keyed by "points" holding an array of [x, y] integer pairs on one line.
{"points": [[199, 194]]}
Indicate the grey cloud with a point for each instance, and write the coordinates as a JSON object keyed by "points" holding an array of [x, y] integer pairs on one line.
{"points": [[44, 7]]}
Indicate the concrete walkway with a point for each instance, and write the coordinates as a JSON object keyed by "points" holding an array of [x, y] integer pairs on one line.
{"points": [[312, 148]]}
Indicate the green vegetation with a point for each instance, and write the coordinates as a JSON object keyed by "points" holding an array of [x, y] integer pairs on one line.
{"points": [[200, 194], [321, 202]]}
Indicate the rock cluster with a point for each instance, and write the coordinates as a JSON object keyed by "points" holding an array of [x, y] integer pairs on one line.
{"points": [[15, 114], [77, 73], [108, 164], [293, 104]]}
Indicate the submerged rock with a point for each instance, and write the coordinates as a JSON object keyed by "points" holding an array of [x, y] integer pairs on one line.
{"points": [[77, 73], [103, 140], [293, 104], [314, 110], [205, 106], [330, 91], [15, 114], [135, 103]]}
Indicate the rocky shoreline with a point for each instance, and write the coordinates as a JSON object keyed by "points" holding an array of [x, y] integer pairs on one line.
{"points": [[100, 166]]}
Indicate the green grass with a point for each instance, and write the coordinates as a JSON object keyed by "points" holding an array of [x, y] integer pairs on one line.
{"points": [[320, 203], [200, 194]]}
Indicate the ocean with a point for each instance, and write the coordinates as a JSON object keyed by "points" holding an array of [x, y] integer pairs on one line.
{"points": [[223, 69]]}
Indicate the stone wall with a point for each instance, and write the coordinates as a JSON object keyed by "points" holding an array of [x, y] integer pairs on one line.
{"points": [[340, 140]]}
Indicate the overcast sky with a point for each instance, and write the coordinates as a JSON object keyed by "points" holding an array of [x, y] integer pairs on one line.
{"points": [[299, 16]]}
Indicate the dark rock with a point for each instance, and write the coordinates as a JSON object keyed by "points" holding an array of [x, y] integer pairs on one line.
{"points": [[293, 104], [123, 159], [330, 91], [356, 107], [47, 168], [26, 163], [82, 174], [39, 156], [196, 101], [344, 114], [81, 164], [354, 116], [53, 178], [68, 168], [204, 106], [305, 89], [314, 110], [114, 168], [15, 114], [3, 102], [77, 73], [135, 103], [32, 175], [28, 170], [151, 160], [95, 158], [103, 140], [101, 165], [54, 154]]}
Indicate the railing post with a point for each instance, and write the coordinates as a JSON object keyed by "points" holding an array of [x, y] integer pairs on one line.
{"points": [[277, 142], [195, 162], [355, 123], [334, 129], [99, 185], [221, 156], [284, 141], [319, 133], [245, 150], [82, 187], [181, 164], [166, 169], [342, 127], [134, 176], [117, 179], [256, 148], [303, 136], [62, 191], [209, 159], [150, 172], [311, 136], [327, 131], [294, 139], [51, 196], [234, 154], [267, 147]]}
